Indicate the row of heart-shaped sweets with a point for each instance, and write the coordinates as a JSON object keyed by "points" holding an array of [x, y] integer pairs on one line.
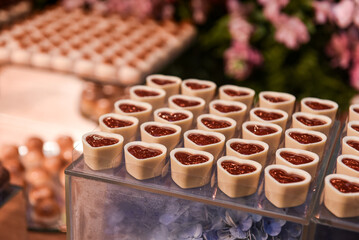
{"points": [[341, 192], [190, 168]]}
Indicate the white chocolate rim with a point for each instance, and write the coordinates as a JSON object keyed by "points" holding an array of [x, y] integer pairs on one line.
{"points": [[351, 123], [250, 91], [192, 151], [156, 146], [271, 125], [132, 102], [298, 151], [247, 141], [343, 177], [351, 108], [269, 110], [252, 163], [170, 110], [221, 137], [167, 125], [227, 103], [289, 170], [161, 92], [218, 118], [212, 85], [326, 119], [322, 101], [188, 98], [350, 138], [290, 98], [305, 131], [134, 120], [103, 134], [340, 162], [176, 80]]}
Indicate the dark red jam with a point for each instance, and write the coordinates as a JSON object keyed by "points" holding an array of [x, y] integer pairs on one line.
{"points": [[116, 123], [142, 152], [215, 124], [203, 140], [274, 99], [189, 159], [172, 117], [185, 103], [344, 186], [246, 148], [157, 131], [305, 138], [353, 144], [268, 116], [317, 106], [99, 141], [310, 122], [284, 177], [355, 127], [234, 93], [261, 130], [295, 158], [236, 168], [352, 163], [227, 108], [162, 81], [130, 108], [196, 86], [146, 93]]}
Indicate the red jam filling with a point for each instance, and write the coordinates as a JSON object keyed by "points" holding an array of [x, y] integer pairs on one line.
{"points": [[227, 108], [310, 122], [305, 138], [295, 158], [236, 168], [352, 163], [355, 127], [215, 124], [284, 177], [196, 86], [162, 81], [185, 103], [356, 110], [246, 148], [172, 117], [142, 152], [261, 130], [268, 116], [203, 140], [190, 159], [344, 186], [99, 141], [353, 144], [116, 123], [157, 131], [317, 106], [274, 99], [146, 93], [130, 108], [234, 93]]}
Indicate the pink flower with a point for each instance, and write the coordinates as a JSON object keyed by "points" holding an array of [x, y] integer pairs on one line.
{"points": [[280, 3], [199, 10], [323, 11], [354, 76], [356, 16], [338, 49], [240, 29], [343, 13], [291, 31]]}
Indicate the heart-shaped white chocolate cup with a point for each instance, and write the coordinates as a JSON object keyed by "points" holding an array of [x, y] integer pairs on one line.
{"points": [[346, 149], [310, 167], [283, 195], [194, 175], [260, 157], [169, 141], [325, 128], [215, 149], [246, 99], [350, 130], [228, 132], [185, 124], [317, 147], [128, 132], [238, 185], [282, 122], [344, 169], [196, 110], [99, 158], [207, 94], [170, 89], [331, 113], [238, 116], [342, 205], [272, 139], [353, 115], [156, 101], [142, 116], [145, 168], [287, 106]]}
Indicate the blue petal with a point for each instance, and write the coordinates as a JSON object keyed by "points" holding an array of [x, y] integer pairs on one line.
{"points": [[210, 235], [194, 231], [294, 229], [272, 226], [258, 234], [168, 218], [225, 235], [256, 217], [237, 233], [217, 223], [245, 222]]}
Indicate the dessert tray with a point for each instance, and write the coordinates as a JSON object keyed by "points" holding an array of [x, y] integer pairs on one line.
{"points": [[97, 47], [9, 194]]}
